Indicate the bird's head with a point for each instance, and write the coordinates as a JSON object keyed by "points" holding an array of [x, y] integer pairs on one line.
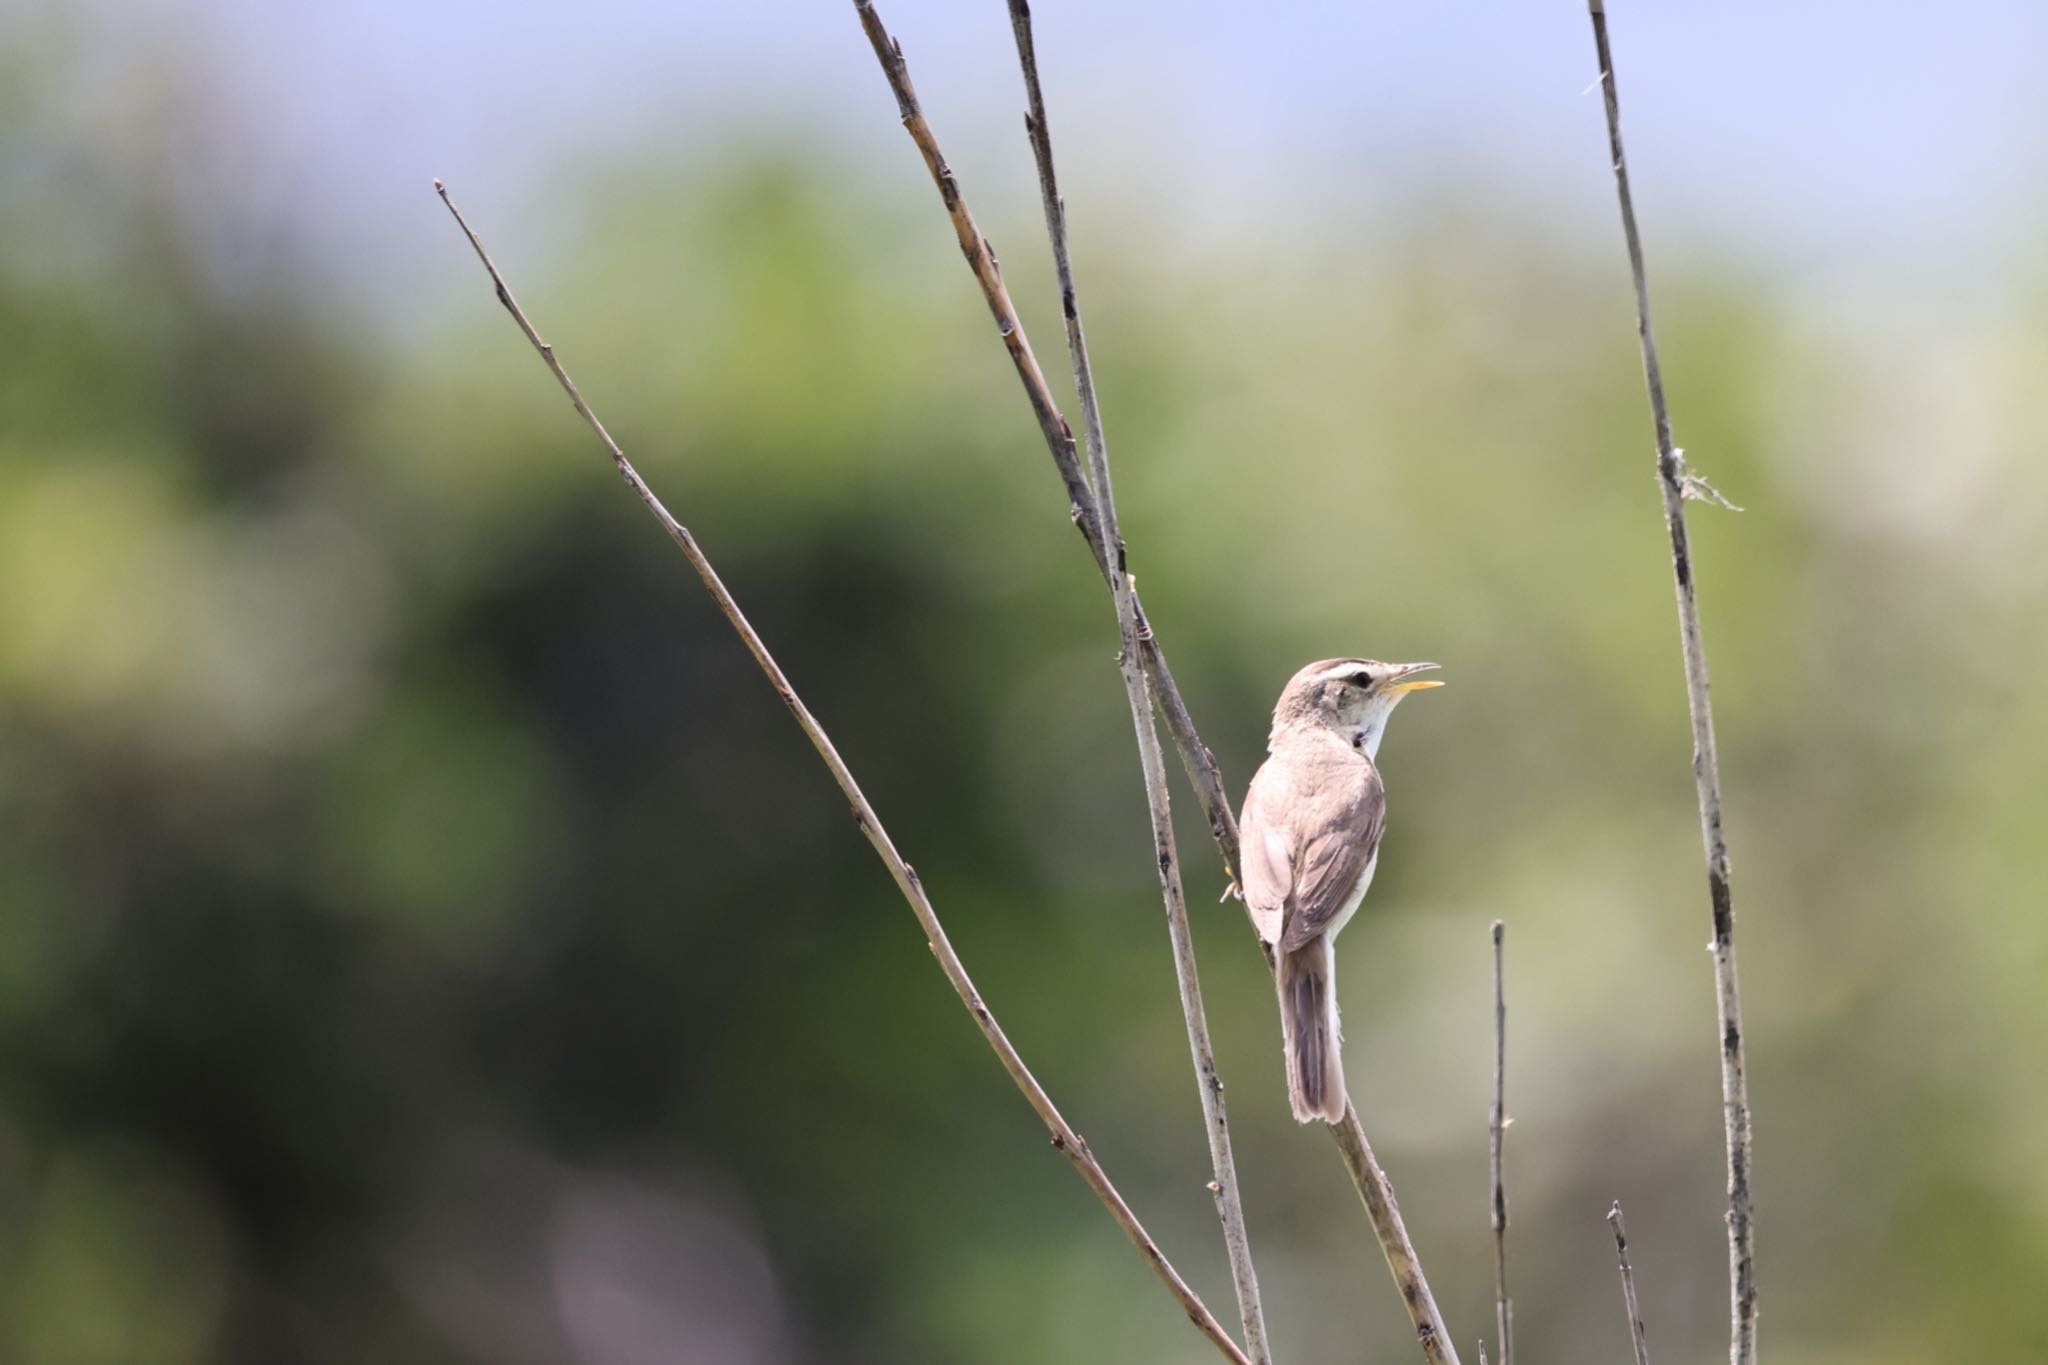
{"points": [[1352, 697]]}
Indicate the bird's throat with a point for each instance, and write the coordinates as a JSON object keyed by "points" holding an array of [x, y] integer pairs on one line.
{"points": [[1366, 738]]}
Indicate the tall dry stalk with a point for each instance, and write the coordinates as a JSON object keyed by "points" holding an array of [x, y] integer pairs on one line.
{"points": [[1496, 1127], [1137, 692], [1374, 1191], [1064, 1138], [1628, 1286], [1059, 436], [1677, 484]]}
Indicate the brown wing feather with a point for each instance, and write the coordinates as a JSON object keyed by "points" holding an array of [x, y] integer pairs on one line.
{"points": [[1347, 812]]}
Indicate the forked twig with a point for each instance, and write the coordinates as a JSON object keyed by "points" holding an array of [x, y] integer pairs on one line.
{"points": [[1628, 1285], [1371, 1183], [1063, 1136], [1677, 483], [1223, 1165], [1496, 1124]]}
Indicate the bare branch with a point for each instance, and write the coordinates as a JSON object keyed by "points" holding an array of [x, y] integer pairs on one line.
{"points": [[1676, 482], [1059, 437], [1378, 1197], [1370, 1182], [1069, 1143], [1496, 1124], [1229, 1202], [1628, 1285]]}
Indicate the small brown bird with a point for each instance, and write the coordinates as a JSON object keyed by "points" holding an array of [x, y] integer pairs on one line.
{"points": [[1310, 835]]}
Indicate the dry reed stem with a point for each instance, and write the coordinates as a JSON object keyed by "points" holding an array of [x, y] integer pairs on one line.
{"points": [[1677, 484], [1496, 1125], [1064, 1138], [1195, 756], [1059, 437], [1152, 762], [1349, 1136], [1628, 1285], [1377, 1195]]}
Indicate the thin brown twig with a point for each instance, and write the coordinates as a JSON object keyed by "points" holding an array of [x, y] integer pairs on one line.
{"points": [[1201, 767], [1677, 483], [1496, 1125], [1377, 1195], [907, 881], [1628, 1285], [1152, 762], [1203, 773]]}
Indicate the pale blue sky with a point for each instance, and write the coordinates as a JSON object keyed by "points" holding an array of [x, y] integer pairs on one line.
{"points": [[1904, 139]]}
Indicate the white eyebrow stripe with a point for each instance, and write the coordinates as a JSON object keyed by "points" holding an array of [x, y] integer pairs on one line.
{"points": [[1341, 673]]}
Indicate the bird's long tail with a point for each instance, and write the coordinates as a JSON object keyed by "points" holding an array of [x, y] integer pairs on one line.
{"points": [[1308, 1027]]}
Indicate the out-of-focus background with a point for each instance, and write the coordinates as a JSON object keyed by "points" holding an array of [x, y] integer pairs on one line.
{"points": [[423, 938]]}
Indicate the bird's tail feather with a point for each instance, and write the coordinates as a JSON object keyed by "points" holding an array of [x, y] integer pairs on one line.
{"points": [[1308, 1026]]}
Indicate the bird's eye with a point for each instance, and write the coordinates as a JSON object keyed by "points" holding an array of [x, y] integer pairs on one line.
{"points": [[1362, 678]]}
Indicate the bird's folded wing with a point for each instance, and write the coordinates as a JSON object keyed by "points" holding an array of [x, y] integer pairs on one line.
{"points": [[1343, 835]]}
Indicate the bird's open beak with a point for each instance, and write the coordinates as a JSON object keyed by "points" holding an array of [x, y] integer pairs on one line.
{"points": [[1404, 670]]}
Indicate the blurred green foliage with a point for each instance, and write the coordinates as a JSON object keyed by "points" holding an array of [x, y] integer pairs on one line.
{"points": [[423, 937]]}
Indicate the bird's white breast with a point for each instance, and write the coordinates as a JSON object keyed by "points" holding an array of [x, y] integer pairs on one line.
{"points": [[1351, 902]]}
